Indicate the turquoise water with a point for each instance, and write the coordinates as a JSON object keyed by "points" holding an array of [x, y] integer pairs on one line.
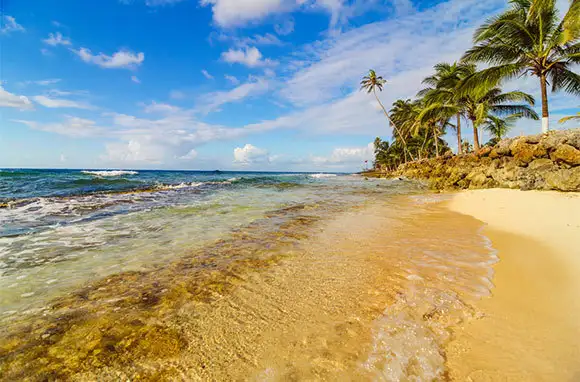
{"points": [[60, 229]]}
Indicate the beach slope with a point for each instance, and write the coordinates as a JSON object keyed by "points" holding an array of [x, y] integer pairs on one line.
{"points": [[530, 326]]}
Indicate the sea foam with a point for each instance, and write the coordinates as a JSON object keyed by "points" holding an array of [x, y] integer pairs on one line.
{"points": [[110, 173]]}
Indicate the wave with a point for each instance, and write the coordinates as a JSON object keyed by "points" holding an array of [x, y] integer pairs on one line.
{"points": [[110, 173], [322, 175], [181, 185]]}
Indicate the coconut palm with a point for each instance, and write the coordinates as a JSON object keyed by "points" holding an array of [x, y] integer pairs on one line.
{"points": [[443, 86], [570, 118], [529, 39], [480, 102], [371, 82], [499, 127]]}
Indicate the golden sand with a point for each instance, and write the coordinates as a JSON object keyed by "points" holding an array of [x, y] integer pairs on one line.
{"points": [[531, 327]]}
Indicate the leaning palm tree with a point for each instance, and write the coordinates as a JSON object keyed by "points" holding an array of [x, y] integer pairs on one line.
{"points": [[442, 87], [371, 82], [570, 118], [530, 39]]}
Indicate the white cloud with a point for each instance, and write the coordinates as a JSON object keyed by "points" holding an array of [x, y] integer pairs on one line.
{"points": [[212, 101], [52, 103], [135, 79], [162, 108], [227, 13], [191, 155], [250, 154], [71, 127], [10, 25], [232, 79], [121, 59], [8, 99], [176, 94], [57, 24], [326, 74], [206, 74], [347, 156], [257, 39], [161, 140], [236, 13], [249, 56], [56, 39], [49, 81], [62, 158]]}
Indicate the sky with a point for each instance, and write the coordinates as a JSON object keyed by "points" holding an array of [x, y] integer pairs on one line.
{"points": [[221, 84]]}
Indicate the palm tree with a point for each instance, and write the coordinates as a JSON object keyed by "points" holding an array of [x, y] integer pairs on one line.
{"points": [[530, 39], [480, 102], [498, 127], [570, 118], [442, 87], [371, 83]]}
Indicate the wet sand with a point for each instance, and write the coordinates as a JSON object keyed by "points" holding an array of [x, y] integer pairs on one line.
{"points": [[530, 330]]}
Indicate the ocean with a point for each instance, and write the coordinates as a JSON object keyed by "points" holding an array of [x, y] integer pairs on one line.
{"points": [[191, 275]]}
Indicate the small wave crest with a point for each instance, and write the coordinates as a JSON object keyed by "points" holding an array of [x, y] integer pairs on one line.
{"points": [[110, 172], [322, 175]]}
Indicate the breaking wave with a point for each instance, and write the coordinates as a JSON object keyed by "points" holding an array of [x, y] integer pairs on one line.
{"points": [[110, 173]]}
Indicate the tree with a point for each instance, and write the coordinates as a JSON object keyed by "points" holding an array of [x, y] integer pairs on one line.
{"points": [[570, 118], [529, 39], [480, 102], [443, 88], [371, 82], [498, 127]]}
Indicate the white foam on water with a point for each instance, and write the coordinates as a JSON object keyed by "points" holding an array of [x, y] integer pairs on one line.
{"points": [[110, 173], [322, 175], [181, 185]]}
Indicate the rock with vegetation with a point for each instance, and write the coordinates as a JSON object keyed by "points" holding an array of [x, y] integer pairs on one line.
{"points": [[548, 161]]}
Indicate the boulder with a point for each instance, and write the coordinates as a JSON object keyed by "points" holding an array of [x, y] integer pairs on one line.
{"points": [[563, 179], [484, 151], [503, 147], [533, 139], [567, 154], [553, 139], [541, 164]]}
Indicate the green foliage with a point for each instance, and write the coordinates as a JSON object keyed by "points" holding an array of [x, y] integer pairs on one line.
{"points": [[529, 39], [570, 118]]}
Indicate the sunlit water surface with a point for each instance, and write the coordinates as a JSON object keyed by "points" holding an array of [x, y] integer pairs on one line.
{"points": [[196, 276]]}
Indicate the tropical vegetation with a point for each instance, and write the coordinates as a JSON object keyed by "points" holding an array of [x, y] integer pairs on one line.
{"points": [[570, 118], [528, 39]]}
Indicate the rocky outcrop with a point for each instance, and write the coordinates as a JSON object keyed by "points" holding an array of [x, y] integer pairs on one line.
{"points": [[539, 162]]}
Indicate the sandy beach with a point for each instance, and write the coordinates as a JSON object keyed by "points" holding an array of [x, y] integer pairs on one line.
{"points": [[531, 324]]}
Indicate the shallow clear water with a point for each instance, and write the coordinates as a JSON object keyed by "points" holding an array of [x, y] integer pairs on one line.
{"points": [[62, 228], [228, 276]]}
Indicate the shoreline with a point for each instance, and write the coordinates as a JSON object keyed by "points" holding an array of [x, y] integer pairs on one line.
{"points": [[392, 288], [531, 322]]}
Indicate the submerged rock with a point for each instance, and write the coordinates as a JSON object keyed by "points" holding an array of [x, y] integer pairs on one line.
{"points": [[548, 161]]}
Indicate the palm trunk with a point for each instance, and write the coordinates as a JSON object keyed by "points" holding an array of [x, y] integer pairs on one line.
{"points": [[436, 140], [545, 113], [475, 137], [394, 126], [459, 148]]}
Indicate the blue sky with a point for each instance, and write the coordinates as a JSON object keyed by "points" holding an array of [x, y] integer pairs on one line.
{"points": [[228, 84]]}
